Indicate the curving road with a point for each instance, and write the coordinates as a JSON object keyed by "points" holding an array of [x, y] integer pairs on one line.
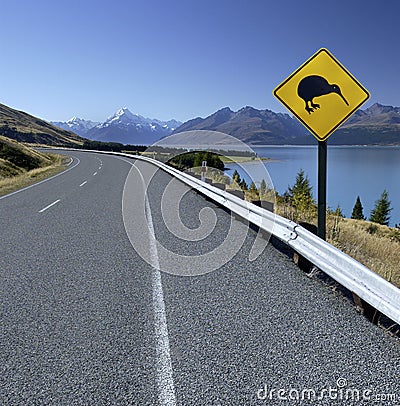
{"points": [[86, 321]]}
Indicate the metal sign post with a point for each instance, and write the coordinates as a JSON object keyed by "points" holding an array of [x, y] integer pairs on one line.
{"points": [[322, 166], [322, 94]]}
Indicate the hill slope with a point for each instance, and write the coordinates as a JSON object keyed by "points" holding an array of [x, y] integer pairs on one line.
{"points": [[16, 158], [23, 127], [250, 125], [377, 124]]}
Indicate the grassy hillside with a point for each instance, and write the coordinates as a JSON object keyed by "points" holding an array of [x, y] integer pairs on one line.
{"points": [[374, 245], [23, 127], [21, 166]]}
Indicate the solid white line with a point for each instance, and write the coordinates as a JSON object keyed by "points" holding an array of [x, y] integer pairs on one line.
{"points": [[95, 174], [165, 381], [70, 162], [50, 205], [42, 181], [166, 388], [82, 184]]}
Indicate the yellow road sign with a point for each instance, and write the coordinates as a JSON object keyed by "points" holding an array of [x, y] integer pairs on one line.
{"points": [[322, 94]]}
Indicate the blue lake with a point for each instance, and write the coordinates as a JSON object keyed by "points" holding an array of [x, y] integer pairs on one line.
{"points": [[352, 171]]}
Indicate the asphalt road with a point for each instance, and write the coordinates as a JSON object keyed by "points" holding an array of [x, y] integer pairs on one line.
{"points": [[85, 320]]}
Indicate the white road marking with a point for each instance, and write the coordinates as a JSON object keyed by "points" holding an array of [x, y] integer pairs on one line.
{"points": [[83, 183], [42, 181], [165, 381], [99, 167], [70, 162], [95, 174], [50, 205]]}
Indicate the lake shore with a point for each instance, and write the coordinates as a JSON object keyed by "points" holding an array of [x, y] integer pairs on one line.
{"points": [[245, 159]]}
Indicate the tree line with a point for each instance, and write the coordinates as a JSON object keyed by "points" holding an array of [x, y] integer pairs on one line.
{"points": [[195, 159], [379, 214], [300, 196]]}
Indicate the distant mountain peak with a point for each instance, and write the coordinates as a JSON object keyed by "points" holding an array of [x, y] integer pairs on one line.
{"points": [[247, 108], [123, 110], [225, 110], [128, 128], [75, 124], [378, 108], [123, 113]]}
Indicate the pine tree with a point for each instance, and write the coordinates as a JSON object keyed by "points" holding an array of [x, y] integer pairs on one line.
{"points": [[380, 213], [254, 194], [263, 187], [358, 213], [338, 212], [243, 185], [236, 177], [300, 197], [301, 193], [253, 187]]}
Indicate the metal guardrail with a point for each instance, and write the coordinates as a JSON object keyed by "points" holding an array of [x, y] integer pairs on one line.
{"points": [[373, 289]]}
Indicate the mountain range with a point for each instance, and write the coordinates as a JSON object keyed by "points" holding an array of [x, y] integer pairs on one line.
{"points": [[377, 124], [77, 125], [123, 127], [250, 125]]}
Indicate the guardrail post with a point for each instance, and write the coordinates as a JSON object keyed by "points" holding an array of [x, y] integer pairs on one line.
{"points": [[265, 204], [366, 309], [303, 263], [237, 193], [219, 185]]}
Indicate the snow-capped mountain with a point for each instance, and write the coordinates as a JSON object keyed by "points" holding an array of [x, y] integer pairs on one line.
{"points": [[123, 126], [124, 117], [75, 124], [128, 128]]}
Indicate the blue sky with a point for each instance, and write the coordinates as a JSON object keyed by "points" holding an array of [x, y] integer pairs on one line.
{"points": [[184, 59]]}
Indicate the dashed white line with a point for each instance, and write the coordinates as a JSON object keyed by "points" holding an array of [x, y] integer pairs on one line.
{"points": [[83, 183], [42, 181], [95, 174], [50, 205]]}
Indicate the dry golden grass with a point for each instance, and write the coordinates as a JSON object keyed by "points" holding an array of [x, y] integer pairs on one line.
{"points": [[373, 245], [26, 178]]}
